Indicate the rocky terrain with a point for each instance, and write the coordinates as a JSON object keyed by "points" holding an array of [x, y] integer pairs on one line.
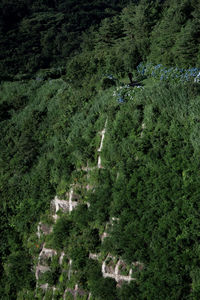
{"points": [[112, 267]]}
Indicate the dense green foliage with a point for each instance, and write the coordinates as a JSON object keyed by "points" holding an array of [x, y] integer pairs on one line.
{"points": [[115, 35], [64, 71], [154, 195], [42, 34]]}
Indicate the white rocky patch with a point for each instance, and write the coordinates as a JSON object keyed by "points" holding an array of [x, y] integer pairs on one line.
{"points": [[40, 269], [115, 274], [197, 78], [61, 257]]}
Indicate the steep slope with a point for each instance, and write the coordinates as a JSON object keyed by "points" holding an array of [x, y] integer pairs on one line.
{"points": [[133, 182], [112, 267]]}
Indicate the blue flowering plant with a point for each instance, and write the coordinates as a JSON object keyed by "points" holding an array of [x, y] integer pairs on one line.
{"points": [[124, 92], [175, 74]]}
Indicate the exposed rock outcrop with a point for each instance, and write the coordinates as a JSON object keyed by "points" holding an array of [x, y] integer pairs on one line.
{"points": [[112, 267]]}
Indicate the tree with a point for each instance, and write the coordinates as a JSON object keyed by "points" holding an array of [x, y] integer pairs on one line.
{"points": [[18, 271], [164, 34], [186, 47]]}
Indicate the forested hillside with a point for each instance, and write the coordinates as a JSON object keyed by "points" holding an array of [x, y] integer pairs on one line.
{"points": [[70, 118]]}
